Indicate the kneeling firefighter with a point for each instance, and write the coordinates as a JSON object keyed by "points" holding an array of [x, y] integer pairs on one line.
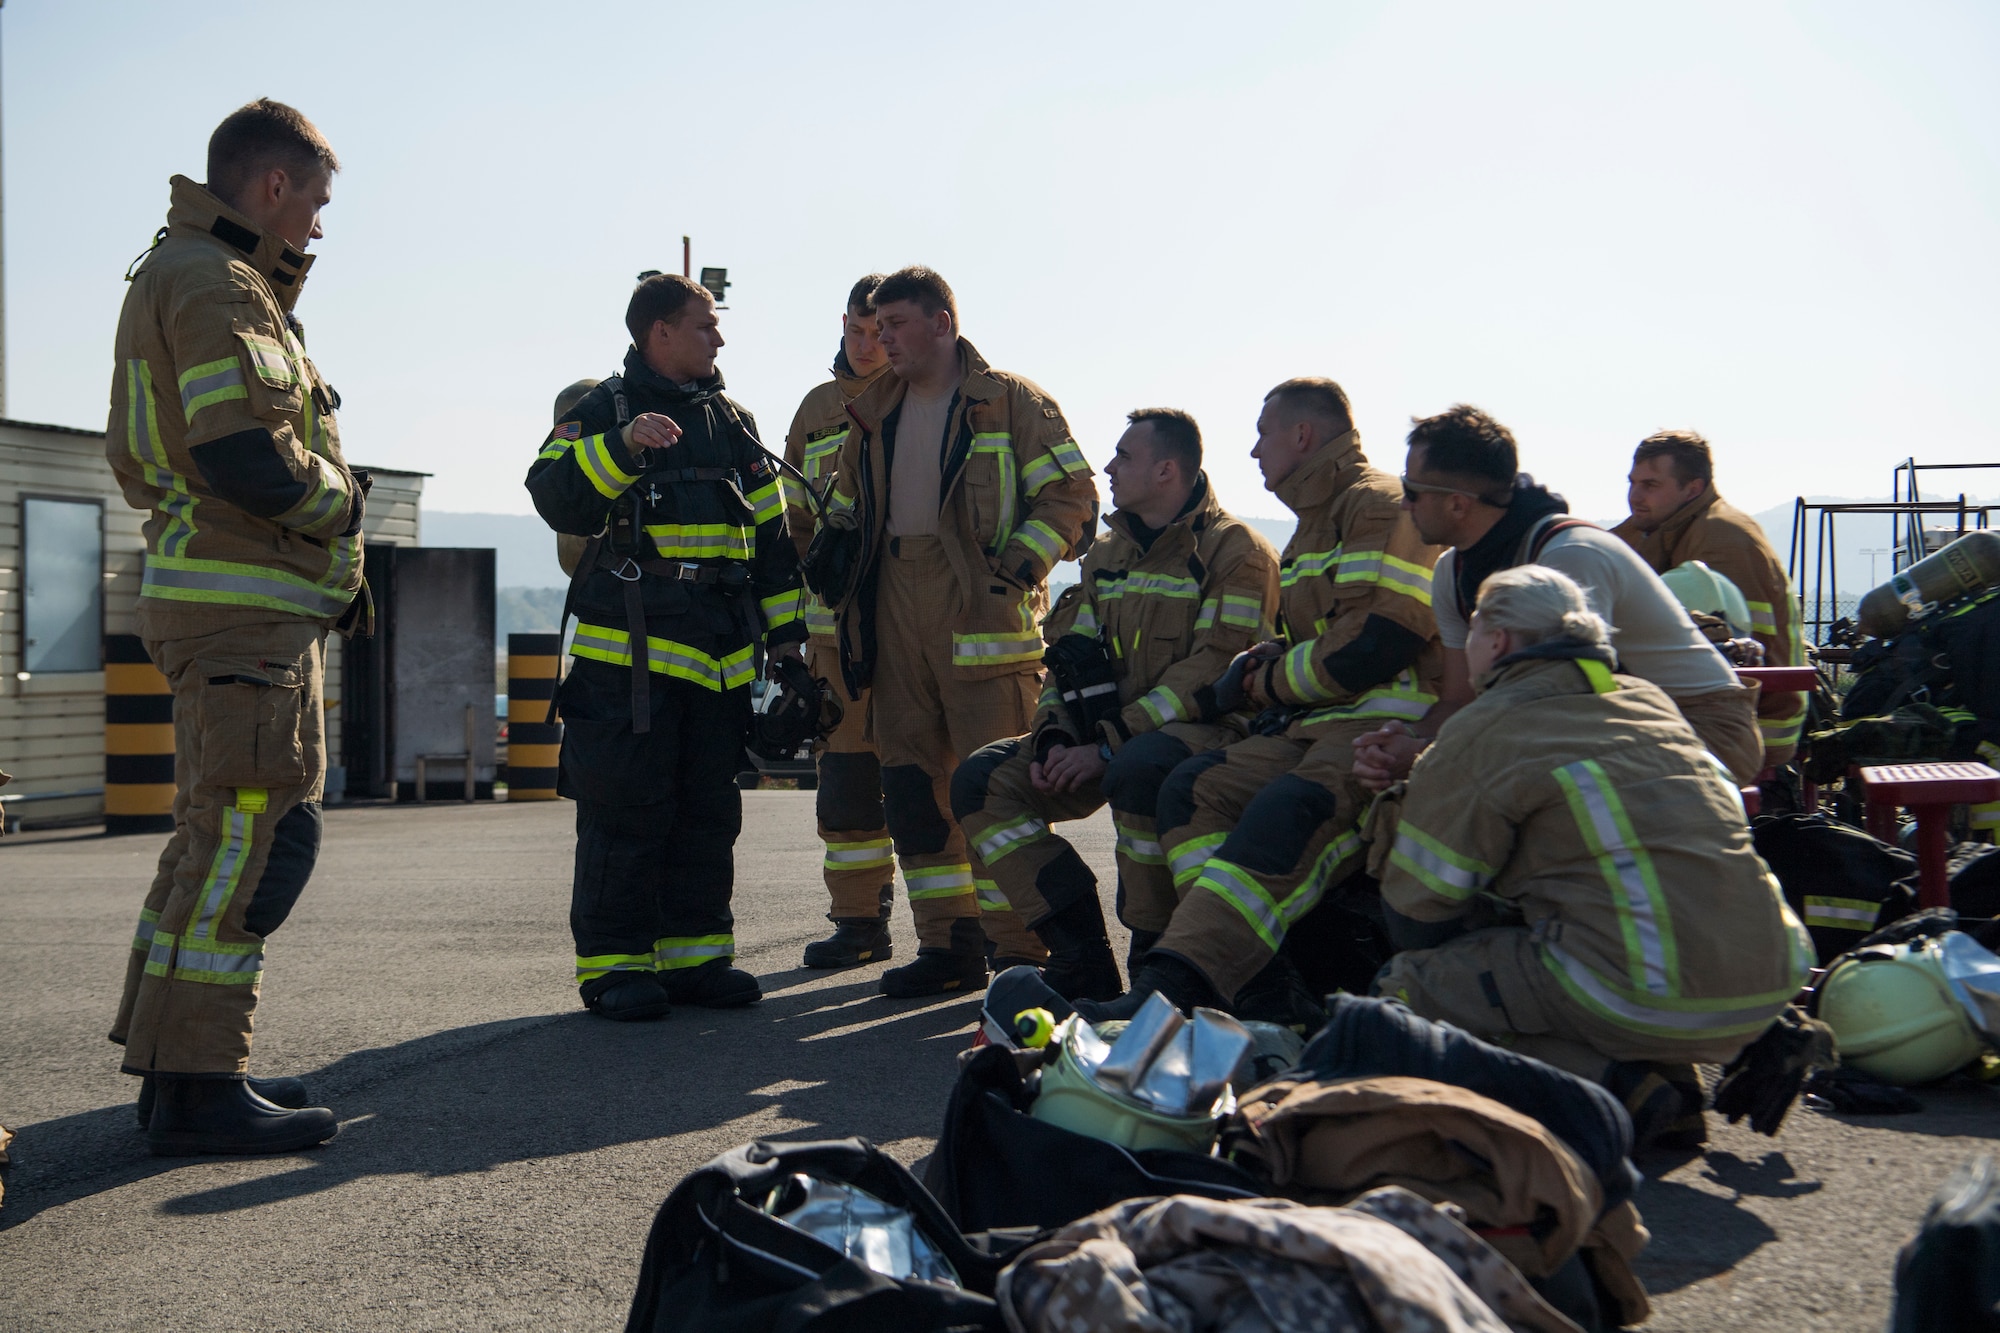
{"points": [[1176, 590], [687, 575]]}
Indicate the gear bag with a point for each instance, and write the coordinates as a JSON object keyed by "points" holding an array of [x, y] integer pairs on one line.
{"points": [[1840, 881], [721, 1258]]}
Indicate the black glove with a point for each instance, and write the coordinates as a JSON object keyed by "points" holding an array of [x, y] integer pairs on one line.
{"points": [[1849, 1090], [1764, 1079]]}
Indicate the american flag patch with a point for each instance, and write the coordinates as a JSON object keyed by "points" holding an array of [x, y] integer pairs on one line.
{"points": [[569, 430]]}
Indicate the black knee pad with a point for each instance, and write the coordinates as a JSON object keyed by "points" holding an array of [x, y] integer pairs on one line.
{"points": [[1136, 773], [968, 784], [915, 822], [294, 849], [1272, 835], [1065, 881], [1175, 804], [850, 791]]}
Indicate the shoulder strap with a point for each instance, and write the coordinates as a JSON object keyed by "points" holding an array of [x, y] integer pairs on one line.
{"points": [[1539, 535], [616, 383]]}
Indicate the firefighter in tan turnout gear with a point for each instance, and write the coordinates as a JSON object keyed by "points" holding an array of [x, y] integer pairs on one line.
{"points": [[958, 488], [1638, 931], [860, 864], [1174, 592], [1677, 517], [223, 429], [1257, 833]]}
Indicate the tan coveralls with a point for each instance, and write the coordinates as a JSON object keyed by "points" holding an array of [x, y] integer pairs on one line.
{"points": [[1731, 543], [1257, 833], [1653, 931], [1171, 615], [223, 428], [945, 628], [859, 865]]}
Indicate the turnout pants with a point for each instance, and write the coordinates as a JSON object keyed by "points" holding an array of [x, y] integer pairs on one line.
{"points": [[249, 763], [1006, 820], [860, 864], [1495, 985], [657, 816], [926, 717], [1255, 835]]}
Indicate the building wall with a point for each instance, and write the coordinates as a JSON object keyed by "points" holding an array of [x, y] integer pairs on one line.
{"points": [[52, 724]]}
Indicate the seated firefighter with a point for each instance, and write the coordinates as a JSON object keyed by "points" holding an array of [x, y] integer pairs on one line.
{"points": [[1571, 874], [1166, 601], [1256, 833]]}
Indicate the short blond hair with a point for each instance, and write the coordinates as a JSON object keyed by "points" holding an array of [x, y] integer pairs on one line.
{"points": [[1535, 604]]}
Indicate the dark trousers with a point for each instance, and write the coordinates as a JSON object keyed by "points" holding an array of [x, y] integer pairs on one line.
{"points": [[657, 816]]}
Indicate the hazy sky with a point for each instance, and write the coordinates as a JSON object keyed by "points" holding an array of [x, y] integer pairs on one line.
{"points": [[1778, 224]]}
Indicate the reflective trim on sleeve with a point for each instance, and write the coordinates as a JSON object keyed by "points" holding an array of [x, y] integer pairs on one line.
{"points": [[1205, 618], [142, 436], [1008, 835], [781, 608], [1445, 872], [946, 881], [766, 502], [1301, 677], [1039, 474], [818, 451], [1040, 538], [1242, 612], [210, 383], [1763, 619], [1652, 958], [820, 622], [1162, 705], [594, 459], [1070, 458]]}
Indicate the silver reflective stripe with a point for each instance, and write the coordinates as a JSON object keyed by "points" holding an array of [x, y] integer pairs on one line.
{"points": [[1618, 1006], [1246, 895], [221, 379], [858, 854], [1004, 838], [668, 952], [224, 871], [1434, 868], [1193, 855], [149, 924], [200, 960], [1611, 846], [1140, 848], [969, 647], [227, 586], [990, 898]]}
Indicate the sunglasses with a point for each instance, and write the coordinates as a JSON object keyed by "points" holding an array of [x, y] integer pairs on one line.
{"points": [[1412, 489]]}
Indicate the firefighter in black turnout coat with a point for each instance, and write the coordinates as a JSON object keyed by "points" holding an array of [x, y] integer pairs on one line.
{"points": [[688, 577]]}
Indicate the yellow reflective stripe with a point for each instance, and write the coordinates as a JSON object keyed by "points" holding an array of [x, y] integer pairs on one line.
{"points": [[990, 898], [225, 869], [781, 608], [225, 583], [614, 647], [597, 965], [678, 951], [1400, 698], [766, 502], [946, 881], [1187, 860], [1662, 1016], [820, 621], [1070, 458], [994, 649], [268, 358], [1138, 583], [149, 924], [1301, 677], [1162, 705], [869, 854], [1139, 845], [1039, 474], [219, 962], [1242, 612], [210, 383], [1448, 873], [702, 541], [1598, 674], [593, 456], [1040, 538], [1841, 913], [1008, 835]]}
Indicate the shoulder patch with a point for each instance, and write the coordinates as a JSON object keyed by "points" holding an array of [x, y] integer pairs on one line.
{"points": [[569, 430], [1050, 413]]}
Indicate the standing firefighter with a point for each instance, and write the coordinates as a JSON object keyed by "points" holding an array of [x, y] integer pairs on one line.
{"points": [[223, 429], [1168, 598], [688, 573], [959, 487], [1677, 516], [860, 862]]}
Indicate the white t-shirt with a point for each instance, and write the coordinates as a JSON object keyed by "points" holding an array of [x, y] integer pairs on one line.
{"points": [[1652, 634], [916, 473]]}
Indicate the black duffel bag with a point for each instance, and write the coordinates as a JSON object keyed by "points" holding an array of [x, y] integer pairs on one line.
{"points": [[997, 1166], [716, 1262], [1840, 881]]}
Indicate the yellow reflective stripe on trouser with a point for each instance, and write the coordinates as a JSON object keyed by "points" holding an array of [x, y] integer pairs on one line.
{"points": [[614, 646], [868, 855], [1985, 815], [1187, 860], [990, 898], [600, 469], [597, 965], [1239, 887], [210, 383], [197, 955], [1658, 1015], [1841, 913], [177, 579], [1008, 835], [1138, 845], [1400, 699], [677, 951], [946, 881], [219, 962]]}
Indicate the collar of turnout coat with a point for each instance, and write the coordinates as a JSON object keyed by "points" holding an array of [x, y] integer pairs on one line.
{"points": [[1659, 544], [195, 214], [1530, 659], [647, 382], [885, 392], [1326, 474], [1197, 515]]}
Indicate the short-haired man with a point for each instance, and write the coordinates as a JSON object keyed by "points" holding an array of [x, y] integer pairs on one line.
{"points": [[1255, 834], [688, 575], [965, 488], [860, 864], [1463, 489], [1168, 598], [1678, 516], [223, 428]]}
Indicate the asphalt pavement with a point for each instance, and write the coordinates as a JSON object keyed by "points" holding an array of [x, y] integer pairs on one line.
{"points": [[502, 1152]]}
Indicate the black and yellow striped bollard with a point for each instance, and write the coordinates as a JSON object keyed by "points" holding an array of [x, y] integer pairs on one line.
{"points": [[138, 740], [534, 665]]}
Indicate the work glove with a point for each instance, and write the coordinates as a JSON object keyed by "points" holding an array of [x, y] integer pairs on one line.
{"points": [[1764, 1079]]}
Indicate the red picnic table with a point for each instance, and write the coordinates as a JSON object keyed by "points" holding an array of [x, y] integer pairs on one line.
{"points": [[1928, 791]]}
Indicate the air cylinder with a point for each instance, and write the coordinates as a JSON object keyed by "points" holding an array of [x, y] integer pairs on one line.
{"points": [[1969, 565]]}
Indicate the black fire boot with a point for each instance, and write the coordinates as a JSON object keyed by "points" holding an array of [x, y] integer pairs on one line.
{"points": [[1142, 943], [626, 997], [1162, 973], [855, 940], [1665, 1103], [286, 1092], [222, 1115], [1278, 994], [961, 967], [713, 985], [1081, 965]]}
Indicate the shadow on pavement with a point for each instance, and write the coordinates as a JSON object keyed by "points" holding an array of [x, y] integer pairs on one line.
{"points": [[812, 1064], [1769, 1177], [1696, 1235]]}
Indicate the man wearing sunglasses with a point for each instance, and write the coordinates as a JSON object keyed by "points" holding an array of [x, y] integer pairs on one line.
{"points": [[1461, 489]]}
